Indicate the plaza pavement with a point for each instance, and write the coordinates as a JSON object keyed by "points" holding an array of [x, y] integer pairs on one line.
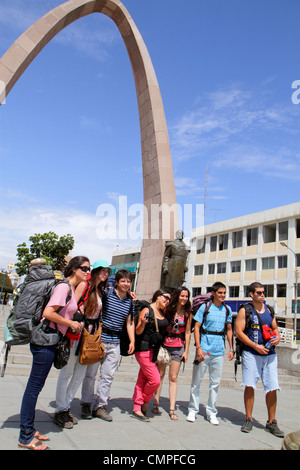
{"points": [[160, 434]]}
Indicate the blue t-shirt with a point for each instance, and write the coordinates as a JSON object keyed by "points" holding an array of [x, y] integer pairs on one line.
{"points": [[215, 321], [114, 315]]}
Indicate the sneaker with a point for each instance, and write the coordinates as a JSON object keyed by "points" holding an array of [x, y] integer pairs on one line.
{"points": [[102, 414], [213, 420], [86, 411], [62, 419], [191, 417], [247, 426], [72, 418], [274, 429]]}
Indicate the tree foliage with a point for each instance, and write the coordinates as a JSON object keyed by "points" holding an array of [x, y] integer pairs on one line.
{"points": [[49, 246]]}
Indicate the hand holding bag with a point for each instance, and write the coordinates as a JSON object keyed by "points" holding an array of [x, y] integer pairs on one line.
{"points": [[92, 349], [163, 356]]}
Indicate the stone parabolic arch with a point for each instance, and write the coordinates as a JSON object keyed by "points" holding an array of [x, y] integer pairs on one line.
{"points": [[158, 179]]}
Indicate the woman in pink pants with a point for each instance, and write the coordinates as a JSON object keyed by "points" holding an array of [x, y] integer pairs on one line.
{"points": [[149, 377]]}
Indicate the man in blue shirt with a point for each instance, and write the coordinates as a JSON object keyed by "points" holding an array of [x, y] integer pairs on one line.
{"points": [[210, 346]]}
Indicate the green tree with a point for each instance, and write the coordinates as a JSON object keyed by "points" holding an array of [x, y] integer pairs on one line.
{"points": [[49, 246]]}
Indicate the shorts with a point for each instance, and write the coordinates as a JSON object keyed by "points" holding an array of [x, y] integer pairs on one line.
{"points": [[256, 366], [175, 353]]}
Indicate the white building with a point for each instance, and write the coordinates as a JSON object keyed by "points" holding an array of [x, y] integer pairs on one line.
{"points": [[264, 246]]}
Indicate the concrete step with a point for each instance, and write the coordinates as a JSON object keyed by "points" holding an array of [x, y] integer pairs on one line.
{"points": [[20, 359]]}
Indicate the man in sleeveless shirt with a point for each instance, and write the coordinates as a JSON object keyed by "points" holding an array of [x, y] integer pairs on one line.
{"points": [[258, 360]]}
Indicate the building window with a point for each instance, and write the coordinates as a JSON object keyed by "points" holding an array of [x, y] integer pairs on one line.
{"points": [[234, 291], [246, 291], [221, 268], [281, 290], [211, 269], [237, 239], [200, 245], [298, 260], [298, 228], [213, 243], [283, 230], [235, 266], [269, 233], [250, 265], [198, 270], [282, 262], [223, 242], [196, 291], [269, 290], [268, 263], [252, 236]]}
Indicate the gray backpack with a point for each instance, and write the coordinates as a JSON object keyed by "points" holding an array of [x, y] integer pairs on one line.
{"points": [[24, 320]]}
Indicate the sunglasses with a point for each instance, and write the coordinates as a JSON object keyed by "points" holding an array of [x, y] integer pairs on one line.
{"points": [[85, 269], [260, 292], [166, 297]]}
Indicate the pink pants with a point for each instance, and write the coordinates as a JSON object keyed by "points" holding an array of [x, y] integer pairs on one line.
{"points": [[148, 379]]}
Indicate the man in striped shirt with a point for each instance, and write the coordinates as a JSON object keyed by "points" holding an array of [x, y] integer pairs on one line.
{"points": [[116, 310]]}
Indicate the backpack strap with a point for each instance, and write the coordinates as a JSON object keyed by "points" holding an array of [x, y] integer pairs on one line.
{"points": [[218, 333]]}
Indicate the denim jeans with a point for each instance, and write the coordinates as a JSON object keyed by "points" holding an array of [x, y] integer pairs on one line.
{"points": [[43, 357], [214, 364]]}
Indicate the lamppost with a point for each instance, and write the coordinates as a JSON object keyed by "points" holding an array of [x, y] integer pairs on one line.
{"points": [[296, 290]]}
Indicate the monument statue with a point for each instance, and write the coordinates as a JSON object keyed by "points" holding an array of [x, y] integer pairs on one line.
{"points": [[174, 264]]}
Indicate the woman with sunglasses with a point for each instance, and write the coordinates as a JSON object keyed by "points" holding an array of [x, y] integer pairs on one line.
{"points": [[145, 352], [43, 356], [88, 296], [177, 342]]}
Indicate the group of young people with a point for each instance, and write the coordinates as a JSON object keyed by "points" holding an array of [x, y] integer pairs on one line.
{"points": [[166, 321]]}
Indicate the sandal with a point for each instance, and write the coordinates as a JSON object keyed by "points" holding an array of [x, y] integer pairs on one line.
{"points": [[35, 444], [156, 410], [41, 437], [173, 415]]}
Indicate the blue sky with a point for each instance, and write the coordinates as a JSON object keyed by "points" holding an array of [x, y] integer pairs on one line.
{"points": [[69, 131]]}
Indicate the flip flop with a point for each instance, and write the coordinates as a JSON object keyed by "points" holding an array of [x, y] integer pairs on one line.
{"points": [[41, 437], [156, 410], [37, 445], [173, 415]]}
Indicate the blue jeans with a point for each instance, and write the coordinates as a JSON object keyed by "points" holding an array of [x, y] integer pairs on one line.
{"points": [[43, 357], [214, 364]]}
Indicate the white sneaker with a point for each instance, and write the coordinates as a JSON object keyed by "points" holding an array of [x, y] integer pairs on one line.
{"points": [[191, 417], [213, 419]]}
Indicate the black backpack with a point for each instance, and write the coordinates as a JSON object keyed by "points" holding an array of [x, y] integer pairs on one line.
{"points": [[136, 308], [34, 294], [206, 299], [239, 345]]}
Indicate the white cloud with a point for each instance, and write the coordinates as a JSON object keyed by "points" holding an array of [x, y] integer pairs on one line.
{"points": [[17, 225], [241, 130]]}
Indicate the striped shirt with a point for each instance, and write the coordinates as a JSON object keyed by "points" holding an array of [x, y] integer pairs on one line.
{"points": [[114, 314]]}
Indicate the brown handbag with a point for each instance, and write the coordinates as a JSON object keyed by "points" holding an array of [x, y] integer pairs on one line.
{"points": [[92, 349]]}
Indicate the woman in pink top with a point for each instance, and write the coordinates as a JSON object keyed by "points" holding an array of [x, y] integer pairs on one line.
{"points": [[177, 342], [43, 356]]}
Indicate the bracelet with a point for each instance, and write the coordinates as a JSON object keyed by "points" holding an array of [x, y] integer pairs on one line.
{"points": [[231, 350]]}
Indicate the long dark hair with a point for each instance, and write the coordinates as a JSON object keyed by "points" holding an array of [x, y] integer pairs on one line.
{"points": [[75, 263], [94, 285], [157, 293], [172, 307]]}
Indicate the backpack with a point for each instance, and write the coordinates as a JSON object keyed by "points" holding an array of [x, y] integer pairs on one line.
{"points": [[239, 345], [206, 299], [137, 307], [34, 294]]}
